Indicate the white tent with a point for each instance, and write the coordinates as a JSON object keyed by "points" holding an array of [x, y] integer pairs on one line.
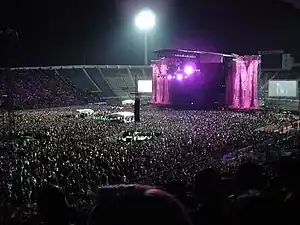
{"points": [[128, 102], [85, 111]]}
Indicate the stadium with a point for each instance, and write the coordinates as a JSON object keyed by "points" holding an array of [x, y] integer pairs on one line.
{"points": [[194, 137], [102, 91], [60, 119], [65, 114]]}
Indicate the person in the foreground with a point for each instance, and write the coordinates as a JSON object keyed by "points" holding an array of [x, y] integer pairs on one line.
{"points": [[136, 204], [54, 207]]}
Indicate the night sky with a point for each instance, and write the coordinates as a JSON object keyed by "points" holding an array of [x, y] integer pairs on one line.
{"points": [[102, 32]]}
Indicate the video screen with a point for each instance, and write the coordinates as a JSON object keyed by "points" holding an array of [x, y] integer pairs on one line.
{"points": [[282, 88], [145, 86]]}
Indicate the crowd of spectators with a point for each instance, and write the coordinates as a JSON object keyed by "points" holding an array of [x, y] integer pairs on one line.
{"points": [[206, 167], [80, 155], [39, 89]]}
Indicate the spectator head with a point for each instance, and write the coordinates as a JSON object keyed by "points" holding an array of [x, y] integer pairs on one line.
{"points": [[288, 172], [53, 206], [208, 185], [249, 177], [176, 188], [255, 209], [135, 204]]}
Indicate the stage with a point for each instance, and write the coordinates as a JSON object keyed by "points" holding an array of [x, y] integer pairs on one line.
{"points": [[184, 79]]}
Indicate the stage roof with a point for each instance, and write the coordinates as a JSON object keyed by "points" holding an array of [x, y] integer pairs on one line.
{"points": [[71, 67], [178, 52]]}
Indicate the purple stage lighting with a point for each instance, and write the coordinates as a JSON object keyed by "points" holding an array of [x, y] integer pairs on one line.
{"points": [[169, 77], [189, 70], [179, 77]]}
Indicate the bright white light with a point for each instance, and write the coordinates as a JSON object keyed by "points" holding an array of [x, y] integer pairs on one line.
{"points": [[179, 77], [189, 70], [145, 20]]}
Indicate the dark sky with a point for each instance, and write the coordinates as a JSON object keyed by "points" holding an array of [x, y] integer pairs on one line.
{"points": [[102, 32], [296, 3]]}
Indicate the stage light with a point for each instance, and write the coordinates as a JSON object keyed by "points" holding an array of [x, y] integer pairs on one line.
{"points": [[174, 77], [189, 69], [186, 77], [169, 77], [179, 77]]}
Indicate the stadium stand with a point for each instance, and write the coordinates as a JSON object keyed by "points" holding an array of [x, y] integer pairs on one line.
{"points": [[42, 88], [112, 82], [73, 85]]}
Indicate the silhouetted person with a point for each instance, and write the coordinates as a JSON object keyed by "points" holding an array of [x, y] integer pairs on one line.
{"points": [[249, 178], [289, 173], [255, 209], [210, 198], [53, 206], [137, 205]]}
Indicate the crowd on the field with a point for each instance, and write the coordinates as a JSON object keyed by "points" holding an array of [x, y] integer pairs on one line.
{"points": [[81, 154]]}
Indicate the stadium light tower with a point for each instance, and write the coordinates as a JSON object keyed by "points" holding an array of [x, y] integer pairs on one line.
{"points": [[145, 21]]}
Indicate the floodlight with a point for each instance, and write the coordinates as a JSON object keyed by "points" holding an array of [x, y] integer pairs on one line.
{"points": [[145, 20]]}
